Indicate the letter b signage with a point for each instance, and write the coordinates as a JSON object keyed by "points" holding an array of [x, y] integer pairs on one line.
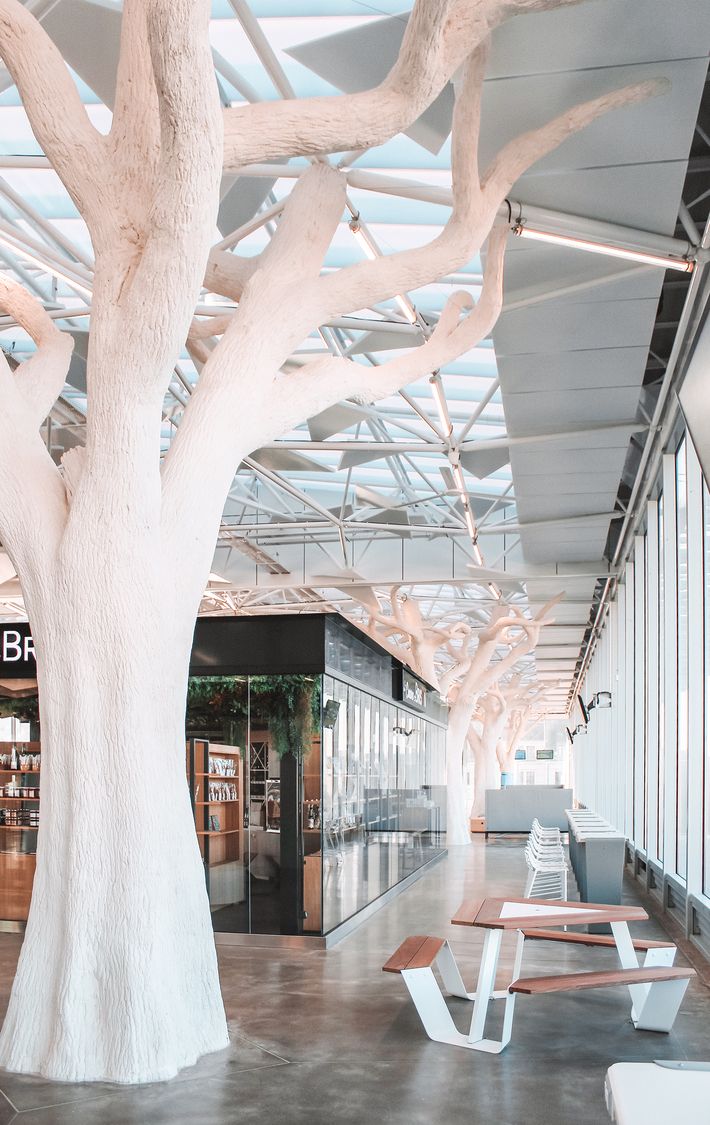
{"points": [[17, 652]]}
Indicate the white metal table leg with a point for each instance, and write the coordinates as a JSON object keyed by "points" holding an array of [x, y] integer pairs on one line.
{"points": [[431, 1006], [661, 1005], [484, 990], [629, 960]]}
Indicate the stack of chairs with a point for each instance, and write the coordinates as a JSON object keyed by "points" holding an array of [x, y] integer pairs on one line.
{"points": [[547, 866]]}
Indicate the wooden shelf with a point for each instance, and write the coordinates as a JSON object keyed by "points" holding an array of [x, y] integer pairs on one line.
{"points": [[14, 797], [20, 827], [230, 801], [219, 776], [217, 753], [221, 832], [13, 772]]}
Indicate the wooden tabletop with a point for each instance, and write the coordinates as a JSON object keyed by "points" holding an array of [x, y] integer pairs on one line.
{"points": [[517, 913]]}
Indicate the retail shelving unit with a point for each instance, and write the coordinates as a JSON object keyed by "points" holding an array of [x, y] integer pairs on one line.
{"points": [[218, 803], [18, 841]]}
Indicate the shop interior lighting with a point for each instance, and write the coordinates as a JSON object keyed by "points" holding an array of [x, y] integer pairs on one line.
{"points": [[45, 267], [440, 400], [646, 258], [495, 591]]}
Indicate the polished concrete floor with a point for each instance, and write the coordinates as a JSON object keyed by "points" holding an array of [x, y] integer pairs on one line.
{"points": [[325, 1038]]}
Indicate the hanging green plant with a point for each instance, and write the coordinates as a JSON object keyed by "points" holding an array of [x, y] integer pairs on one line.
{"points": [[26, 710], [288, 705], [291, 708]]}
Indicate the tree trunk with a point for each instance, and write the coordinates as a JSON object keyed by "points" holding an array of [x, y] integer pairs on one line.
{"points": [[457, 826], [486, 775], [117, 979]]}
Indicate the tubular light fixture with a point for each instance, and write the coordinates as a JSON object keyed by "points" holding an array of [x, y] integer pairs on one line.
{"points": [[496, 592], [370, 251], [470, 524], [45, 267], [361, 238], [460, 482], [685, 265], [477, 554], [440, 400]]}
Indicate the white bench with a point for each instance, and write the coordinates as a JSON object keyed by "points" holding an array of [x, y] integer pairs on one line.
{"points": [[649, 1094]]}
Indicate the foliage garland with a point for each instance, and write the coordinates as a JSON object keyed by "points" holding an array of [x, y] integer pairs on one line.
{"points": [[289, 704]]}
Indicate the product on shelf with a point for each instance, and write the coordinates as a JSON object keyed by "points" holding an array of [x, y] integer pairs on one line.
{"points": [[225, 767], [20, 818], [222, 791]]}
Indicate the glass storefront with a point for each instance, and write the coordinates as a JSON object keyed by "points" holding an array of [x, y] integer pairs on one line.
{"points": [[314, 788], [313, 793]]}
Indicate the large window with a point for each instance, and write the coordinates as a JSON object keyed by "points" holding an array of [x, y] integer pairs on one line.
{"points": [[682, 660], [660, 806], [706, 689]]}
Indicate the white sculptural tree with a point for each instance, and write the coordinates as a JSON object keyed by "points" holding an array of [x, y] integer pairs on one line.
{"points": [[525, 710], [501, 720], [464, 667], [518, 635], [117, 978], [491, 716]]}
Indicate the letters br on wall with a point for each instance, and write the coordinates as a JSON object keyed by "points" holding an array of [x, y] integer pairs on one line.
{"points": [[17, 652]]}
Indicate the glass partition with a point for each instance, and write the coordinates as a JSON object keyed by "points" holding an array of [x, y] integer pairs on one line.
{"points": [[254, 776], [384, 782]]}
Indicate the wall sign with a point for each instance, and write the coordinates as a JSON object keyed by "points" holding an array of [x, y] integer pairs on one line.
{"points": [[413, 692], [17, 652]]}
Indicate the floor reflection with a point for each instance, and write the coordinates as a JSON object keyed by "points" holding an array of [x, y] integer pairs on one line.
{"points": [[357, 871]]}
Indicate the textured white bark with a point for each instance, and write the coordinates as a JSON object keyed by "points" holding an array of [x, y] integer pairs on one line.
{"points": [[440, 35], [117, 978], [492, 715]]}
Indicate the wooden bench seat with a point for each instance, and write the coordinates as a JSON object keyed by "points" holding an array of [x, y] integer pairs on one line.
{"points": [[640, 944], [572, 982], [417, 952]]}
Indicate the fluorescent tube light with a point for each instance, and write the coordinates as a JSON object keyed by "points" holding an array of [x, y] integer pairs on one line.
{"points": [[685, 265], [46, 267], [460, 482], [372, 252], [440, 400], [406, 307]]}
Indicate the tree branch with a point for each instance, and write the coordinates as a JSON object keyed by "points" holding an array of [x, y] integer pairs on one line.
{"points": [[33, 503], [238, 378], [39, 380], [367, 283], [51, 100], [524, 151], [320, 383], [439, 36], [227, 273]]}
